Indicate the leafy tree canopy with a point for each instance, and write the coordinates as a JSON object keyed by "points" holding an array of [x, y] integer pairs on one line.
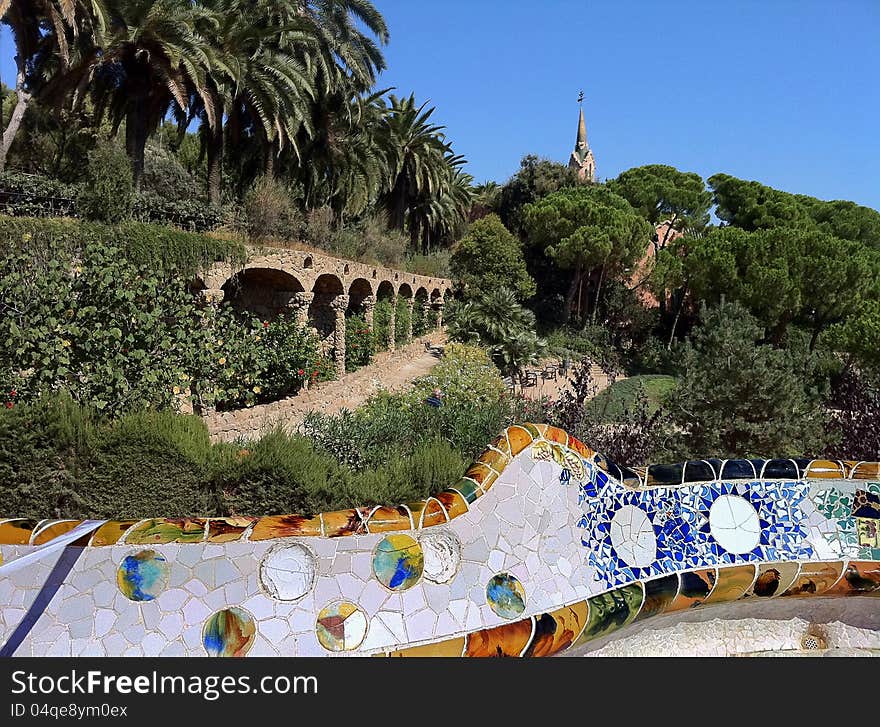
{"points": [[781, 275], [535, 178], [755, 206], [662, 193], [490, 257], [739, 398]]}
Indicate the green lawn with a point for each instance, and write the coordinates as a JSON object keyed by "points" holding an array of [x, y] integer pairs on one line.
{"points": [[611, 403]]}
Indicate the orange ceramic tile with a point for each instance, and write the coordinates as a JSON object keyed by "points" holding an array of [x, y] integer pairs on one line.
{"points": [[17, 532], [450, 647], [170, 530], [861, 577], [866, 471], [481, 474], [815, 578], [416, 509], [110, 532], [694, 588], [773, 579], [285, 526], [501, 444], [659, 595], [582, 449], [732, 583], [227, 529], [558, 630], [53, 529], [385, 519], [554, 434], [519, 439], [496, 460], [345, 522], [433, 514], [453, 503], [825, 469], [506, 640]]}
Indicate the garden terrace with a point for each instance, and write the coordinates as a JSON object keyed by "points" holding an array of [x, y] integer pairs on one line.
{"points": [[542, 547], [320, 290]]}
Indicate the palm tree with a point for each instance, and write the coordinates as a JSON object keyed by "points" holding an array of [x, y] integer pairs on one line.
{"points": [[257, 80], [43, 31], [156, 55], [420, 159], [498, 321]]}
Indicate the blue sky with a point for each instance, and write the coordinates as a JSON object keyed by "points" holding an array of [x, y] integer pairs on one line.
{"points": [[782, 91]]}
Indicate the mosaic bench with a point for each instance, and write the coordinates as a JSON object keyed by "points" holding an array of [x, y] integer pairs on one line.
{"points": [[542, 547]]}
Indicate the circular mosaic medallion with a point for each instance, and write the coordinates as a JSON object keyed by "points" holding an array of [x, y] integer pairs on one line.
{"points": [[288, 572], [143, 576], [229, 632], [734, 523], [341, 626], [442, 553], [632, 537], [506, 595], [398, 562]]}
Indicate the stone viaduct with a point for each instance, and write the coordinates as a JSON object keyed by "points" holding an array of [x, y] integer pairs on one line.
{"points": [[319, 289]]}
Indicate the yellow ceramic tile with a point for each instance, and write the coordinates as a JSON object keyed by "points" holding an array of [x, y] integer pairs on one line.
{"points": [[285, 526]]}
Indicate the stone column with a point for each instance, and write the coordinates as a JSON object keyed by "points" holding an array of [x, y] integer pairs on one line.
{"points": [[339, 305], [428, 313], [392, 342], [214, 296], [410, 302], [299, 304], [369, 303]]}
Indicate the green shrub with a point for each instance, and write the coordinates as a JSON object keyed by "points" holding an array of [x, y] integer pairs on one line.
{"points": [[250, 361], [151, 464], [420, 319], [31, 195], [269, 211], [108, 192], [38, 458], [435, 265], [611, 404], [402, 319], [191, 215], [279, 474], [360, 344], [156, 246], [381, 323], [490, 257]]}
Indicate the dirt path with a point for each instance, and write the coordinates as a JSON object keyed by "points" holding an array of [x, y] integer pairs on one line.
{"points": [[389, 371]]}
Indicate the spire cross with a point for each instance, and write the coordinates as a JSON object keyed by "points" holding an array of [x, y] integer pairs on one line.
{"points": [[581, 97]]}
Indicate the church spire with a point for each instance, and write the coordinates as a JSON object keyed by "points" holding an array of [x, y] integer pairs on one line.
{"points": [[582, 132], [582, 157]]}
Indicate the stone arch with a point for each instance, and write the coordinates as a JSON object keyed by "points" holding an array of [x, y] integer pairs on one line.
{"points": [[405, 290], [421, 315], [263, 291], [359, 291], [328, 284]]}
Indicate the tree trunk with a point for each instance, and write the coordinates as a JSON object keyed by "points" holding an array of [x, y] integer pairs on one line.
{"points": [[677, 316], [598, 291], [135, 141], [215, 161], [572, 290], [815, 337], [23, 98]]}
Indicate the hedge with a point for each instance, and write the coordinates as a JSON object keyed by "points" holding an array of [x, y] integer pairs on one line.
{"points": [[141, 243], [31, 195]]}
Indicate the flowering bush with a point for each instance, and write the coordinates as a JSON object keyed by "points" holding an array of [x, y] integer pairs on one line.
{"points": [[360, 344], [250, 361], [381, 323]]}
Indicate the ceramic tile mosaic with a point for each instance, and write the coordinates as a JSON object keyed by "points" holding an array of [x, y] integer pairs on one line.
{"points": [[542, 546]]}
